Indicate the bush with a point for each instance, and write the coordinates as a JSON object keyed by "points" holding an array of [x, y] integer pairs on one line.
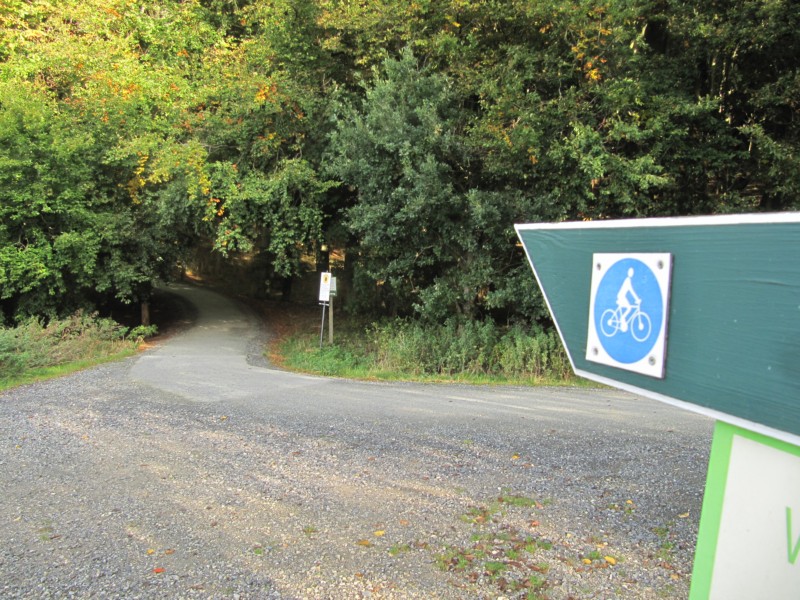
{"points": [[537, 355], [475, 347], [32, 344]]}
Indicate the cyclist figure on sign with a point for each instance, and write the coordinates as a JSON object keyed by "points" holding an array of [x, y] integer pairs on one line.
{"points": [[623, 303]]}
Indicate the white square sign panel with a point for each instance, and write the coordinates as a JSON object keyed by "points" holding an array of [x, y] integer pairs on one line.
{"points": [[628, 311], [325, 287]]}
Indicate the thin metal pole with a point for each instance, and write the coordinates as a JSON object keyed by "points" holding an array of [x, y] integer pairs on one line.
{"points": [[330, 323], [322, 325]]}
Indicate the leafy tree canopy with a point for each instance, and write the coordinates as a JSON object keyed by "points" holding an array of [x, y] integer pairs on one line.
{"points": [[414, 133]]}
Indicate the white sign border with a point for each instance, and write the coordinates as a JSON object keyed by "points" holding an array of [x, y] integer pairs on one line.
{"points": [[660, 263]]}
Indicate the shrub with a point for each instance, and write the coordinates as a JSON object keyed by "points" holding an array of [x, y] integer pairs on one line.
{"points": [[33, 344], [475, 347], [537, 354]]}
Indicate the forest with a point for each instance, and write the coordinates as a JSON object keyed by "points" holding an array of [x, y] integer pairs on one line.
{"points": [[406, 137]]}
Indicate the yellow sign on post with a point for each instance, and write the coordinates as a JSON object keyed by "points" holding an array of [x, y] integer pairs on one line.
{"points": [[325, 287]]}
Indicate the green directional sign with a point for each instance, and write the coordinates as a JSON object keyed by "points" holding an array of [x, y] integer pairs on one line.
{"points": [[700, 312]]}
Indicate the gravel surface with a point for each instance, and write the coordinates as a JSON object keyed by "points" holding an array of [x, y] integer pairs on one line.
{"points": [[249, 482]]}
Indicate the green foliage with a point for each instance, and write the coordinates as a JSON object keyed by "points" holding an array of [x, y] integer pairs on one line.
{"points": [[33, 345], [405, 348], [282, 210], [430, 238], [414, 134]]}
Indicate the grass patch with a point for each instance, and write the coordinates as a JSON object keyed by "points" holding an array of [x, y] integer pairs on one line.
{"points": [[35, 351], [402, 350], [45, 373], [498, 552]]}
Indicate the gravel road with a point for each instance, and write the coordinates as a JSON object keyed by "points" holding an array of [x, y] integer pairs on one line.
{"points": [[195, 470]]}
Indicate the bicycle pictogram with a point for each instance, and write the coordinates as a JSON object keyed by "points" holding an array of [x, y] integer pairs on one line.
{"points": [[637, 321], [628, 313]]}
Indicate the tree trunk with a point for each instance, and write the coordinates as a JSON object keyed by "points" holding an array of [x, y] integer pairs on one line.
{"points": [[146, 313]]}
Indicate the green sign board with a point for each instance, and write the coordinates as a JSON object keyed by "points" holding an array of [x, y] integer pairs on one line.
{"points": [[699, 312]]}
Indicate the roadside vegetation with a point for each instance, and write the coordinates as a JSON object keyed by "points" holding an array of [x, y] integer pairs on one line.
{"points": [[33, 350], [403, 349]]}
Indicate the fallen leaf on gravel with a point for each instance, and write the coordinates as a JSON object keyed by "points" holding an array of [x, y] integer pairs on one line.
{"points": [[610, 560], [515, 457], [674, 576], [404, 522], [587, 561], [169, 551], [534, 523], [380, 533], [159, 570], [150, 551], [684, 515], [365, 543]]}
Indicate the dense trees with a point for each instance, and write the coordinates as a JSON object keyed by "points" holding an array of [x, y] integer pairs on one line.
{"points": [[414, 134]]}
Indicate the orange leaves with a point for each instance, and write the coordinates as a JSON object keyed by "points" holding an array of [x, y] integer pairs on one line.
{"points": [[152, 552], [266, 93]]}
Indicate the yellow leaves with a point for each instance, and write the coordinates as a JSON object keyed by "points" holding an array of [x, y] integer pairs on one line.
{"points": [[379, 533], [610, 560], [137, 182], [365, 543], [266, 92], [594, 75]]}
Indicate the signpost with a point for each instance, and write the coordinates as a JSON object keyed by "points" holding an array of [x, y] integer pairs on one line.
{"points": [[327, 290], [702, 313]]}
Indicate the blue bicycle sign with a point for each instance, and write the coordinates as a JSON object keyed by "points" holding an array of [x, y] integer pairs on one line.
{"points": [[628, 311]]}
